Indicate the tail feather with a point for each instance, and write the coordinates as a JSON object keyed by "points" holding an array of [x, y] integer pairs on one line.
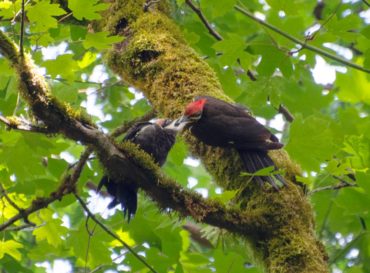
{"points": [[123, 194], [256, 160]]}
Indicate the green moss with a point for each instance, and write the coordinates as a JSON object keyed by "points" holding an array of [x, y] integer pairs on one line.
{"points": [[156, 59], [13, 122]]}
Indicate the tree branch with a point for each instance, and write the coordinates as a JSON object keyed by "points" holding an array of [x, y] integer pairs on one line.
{"points": [[204, 20], [66, 187], [303, 44], [22, 124], [123, 161], [340, 185]]}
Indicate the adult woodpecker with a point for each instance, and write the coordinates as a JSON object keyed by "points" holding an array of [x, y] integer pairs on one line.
{"points": [[221, 124], [156, 140]]}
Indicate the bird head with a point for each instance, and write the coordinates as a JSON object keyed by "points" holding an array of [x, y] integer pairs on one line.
{"points": [[193, 112], [163, 122]]}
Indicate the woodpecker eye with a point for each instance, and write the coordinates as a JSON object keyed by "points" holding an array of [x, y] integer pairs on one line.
{"points": [[196, 116]]}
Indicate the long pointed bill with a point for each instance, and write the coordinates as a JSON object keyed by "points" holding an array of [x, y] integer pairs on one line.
{"points": [[178, 124]]}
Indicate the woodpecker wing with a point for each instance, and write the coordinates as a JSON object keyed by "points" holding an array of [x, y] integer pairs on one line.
{"points": [[224, 124], [135, 129], [154, 140]]}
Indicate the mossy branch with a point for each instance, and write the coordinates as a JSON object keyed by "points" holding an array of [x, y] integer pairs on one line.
{"points": [[124, 160], [155, 58]]}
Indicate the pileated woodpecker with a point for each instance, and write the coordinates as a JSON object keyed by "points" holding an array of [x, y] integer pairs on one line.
{"points": [[218, 123], [156, 140]]}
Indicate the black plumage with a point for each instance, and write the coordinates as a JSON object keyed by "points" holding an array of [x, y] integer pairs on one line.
{"points": [[222, 124], [156, 140]]}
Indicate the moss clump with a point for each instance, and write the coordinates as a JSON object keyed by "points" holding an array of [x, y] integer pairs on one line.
{"points": [[155, 58], [14, 122]]}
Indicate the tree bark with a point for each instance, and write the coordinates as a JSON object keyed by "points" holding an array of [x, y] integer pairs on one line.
{"points": [[155, 58]]}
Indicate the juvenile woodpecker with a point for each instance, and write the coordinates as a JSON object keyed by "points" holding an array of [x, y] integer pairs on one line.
{"points": [[156, 140]]}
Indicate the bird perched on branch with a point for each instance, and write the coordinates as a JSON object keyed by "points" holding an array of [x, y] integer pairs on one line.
{"points": [[221, 124], [156, 140]]}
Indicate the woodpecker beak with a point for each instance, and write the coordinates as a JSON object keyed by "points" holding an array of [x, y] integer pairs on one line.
{"points": [[182, 119], [178, 124]]}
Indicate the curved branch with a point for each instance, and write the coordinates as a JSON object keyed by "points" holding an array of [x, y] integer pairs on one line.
{"points": [[119, 160], [303, 44]]}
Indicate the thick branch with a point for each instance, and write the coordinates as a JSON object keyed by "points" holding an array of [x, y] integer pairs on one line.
{"points": [[120, 161], [155, 58]]}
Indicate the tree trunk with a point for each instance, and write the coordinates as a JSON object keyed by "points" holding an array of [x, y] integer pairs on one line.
{"points": [[155, 58]]}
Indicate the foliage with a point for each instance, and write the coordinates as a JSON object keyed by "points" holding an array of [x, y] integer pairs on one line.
{"points": [[329, 136]]}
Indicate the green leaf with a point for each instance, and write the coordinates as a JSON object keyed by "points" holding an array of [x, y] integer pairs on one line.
{"points": [[311, 141], [101, 40], [49, 230], [9, 8], [64, 66], [218, 8], [41, 15], [358, 148], [88, 9], [355, 90], [10, 247], [233, 48]]}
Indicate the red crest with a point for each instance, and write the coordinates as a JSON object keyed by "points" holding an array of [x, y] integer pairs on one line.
{"points": [[195, 107]]}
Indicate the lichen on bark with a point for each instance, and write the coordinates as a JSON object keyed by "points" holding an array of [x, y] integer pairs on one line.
{"points": [[155, 58]]}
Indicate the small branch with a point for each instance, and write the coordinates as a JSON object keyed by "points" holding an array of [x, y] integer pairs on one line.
{"points": [[22, 124], [149, 3], [10, 201], [22, 227], [366, 3], [66, 187], [204, 20], [22, 30], [285, 112], [197, 236], [214, 33], [125, 161], [65, 17], [111, 233], [303, 44], [340, 185], [347, 247]]}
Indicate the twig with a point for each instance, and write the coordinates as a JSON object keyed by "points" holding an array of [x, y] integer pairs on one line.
{"points": [[10, 201], [22, 124], [213, 32], [22, 31], [19, 12], [14, 205], [65, 17], [366, 3], [349, 246], [111, 233], [285, 112], [303, 44], [66, 187], [201, 16], [149, 3], [12, 229], [340, 185]]}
